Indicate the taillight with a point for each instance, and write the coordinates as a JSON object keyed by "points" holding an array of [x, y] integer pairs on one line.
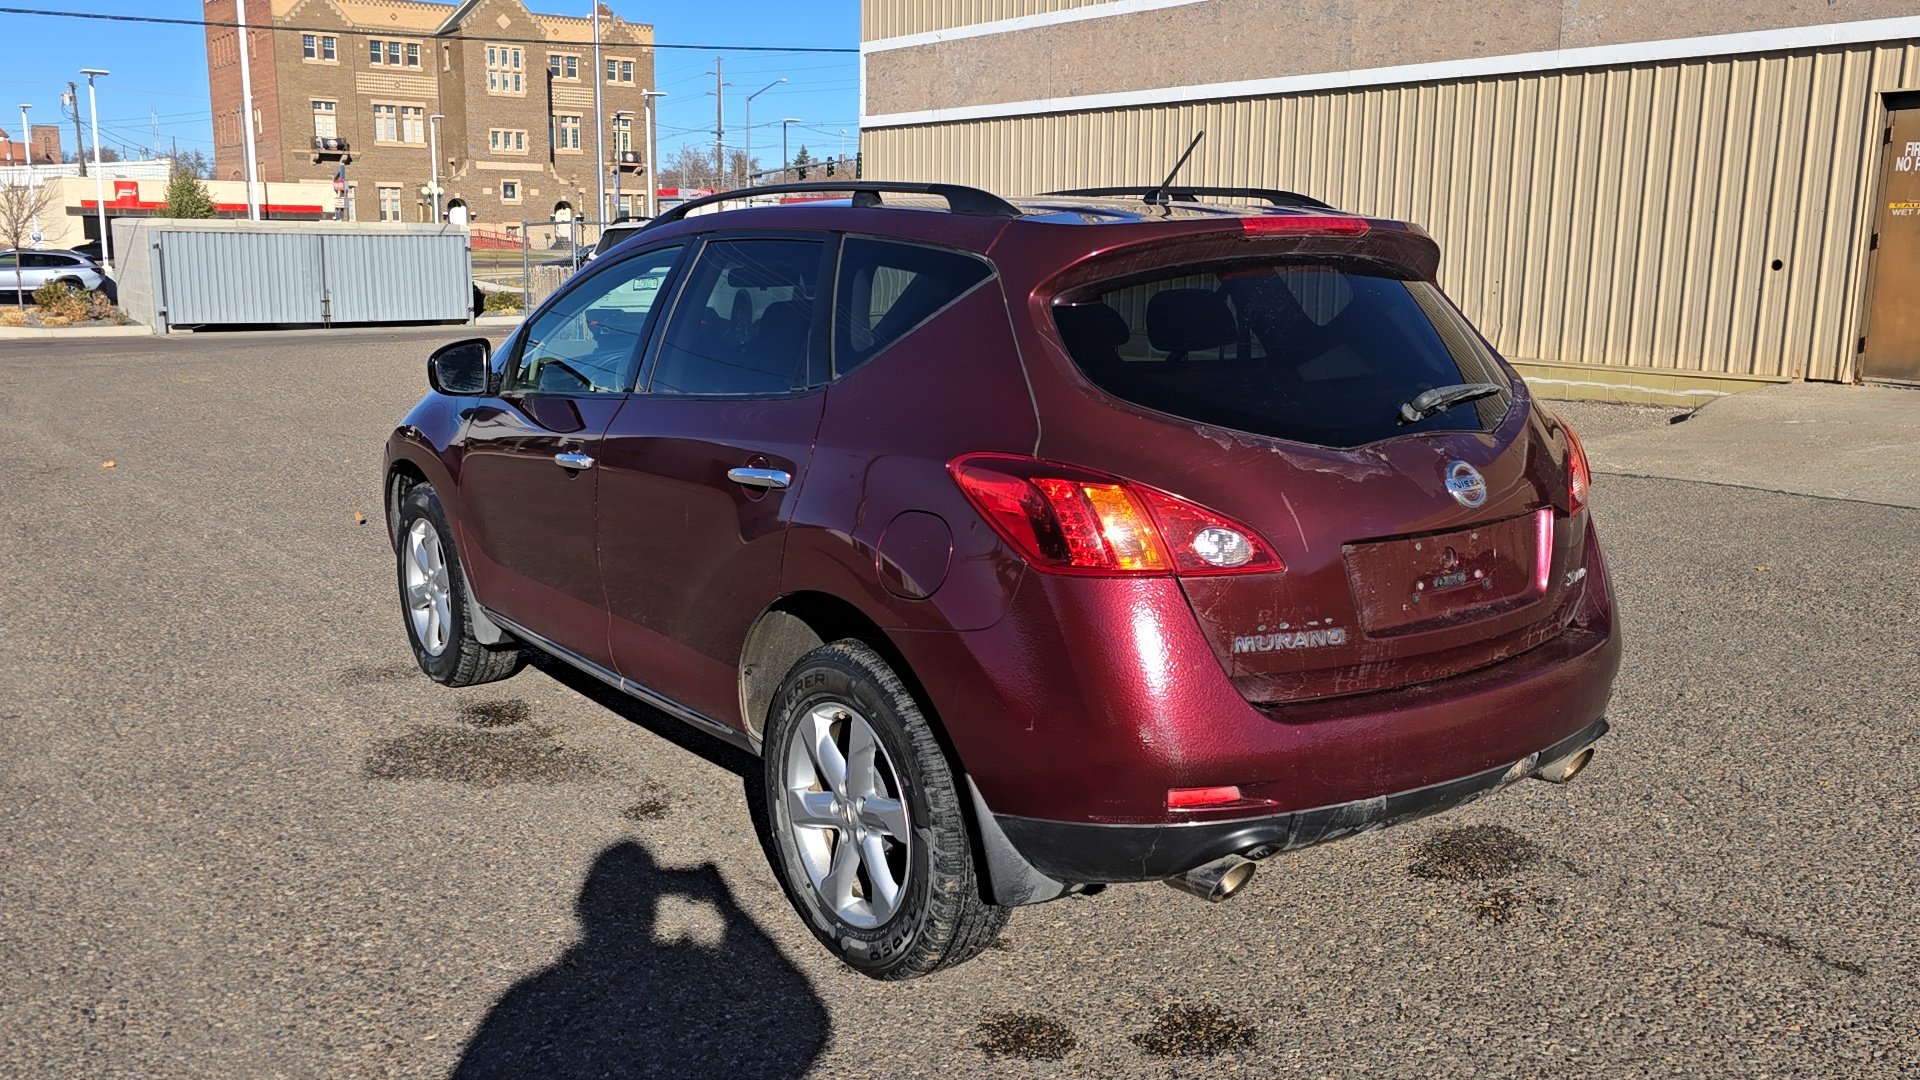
{"points": [[1579, 475], [1074, 520], [1303, 225]]}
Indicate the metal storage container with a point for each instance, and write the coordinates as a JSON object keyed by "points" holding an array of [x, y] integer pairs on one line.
{"points": [[189, 273]]}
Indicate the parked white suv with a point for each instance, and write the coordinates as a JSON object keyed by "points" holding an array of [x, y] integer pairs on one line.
{"points": [[37, 268]]}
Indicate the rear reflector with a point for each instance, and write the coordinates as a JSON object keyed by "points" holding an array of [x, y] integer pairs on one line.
{"points": [[1303, 225], [1193, 798]]}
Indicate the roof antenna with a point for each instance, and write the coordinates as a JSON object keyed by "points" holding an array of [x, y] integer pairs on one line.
{"points": [[1158, 196]]}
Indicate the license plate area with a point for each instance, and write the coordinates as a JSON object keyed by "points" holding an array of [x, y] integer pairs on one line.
{"points": [[1409, 584]]}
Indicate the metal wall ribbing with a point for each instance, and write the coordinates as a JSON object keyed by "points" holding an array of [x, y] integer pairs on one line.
{"points": [[1625, 215]]}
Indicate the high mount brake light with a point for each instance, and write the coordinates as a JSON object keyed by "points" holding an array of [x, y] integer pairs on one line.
{"points": [[1579, 474], [1303, 225], [1073, 520]]}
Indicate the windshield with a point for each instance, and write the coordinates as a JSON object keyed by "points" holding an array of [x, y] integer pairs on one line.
{"points": [[1314, 353]]}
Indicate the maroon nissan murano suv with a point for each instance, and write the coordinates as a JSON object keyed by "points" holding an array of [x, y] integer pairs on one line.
{"points": [[1033, 545]]}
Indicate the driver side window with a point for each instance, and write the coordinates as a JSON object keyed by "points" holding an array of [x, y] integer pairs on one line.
{"points": [[588, 342]]}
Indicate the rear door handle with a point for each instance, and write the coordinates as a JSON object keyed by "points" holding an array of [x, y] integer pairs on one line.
{"points": [[573, 461], [760, 478]]}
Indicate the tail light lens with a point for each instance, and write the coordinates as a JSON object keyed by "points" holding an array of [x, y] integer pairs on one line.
{"points": [[1074, 520], [1579, 475]]}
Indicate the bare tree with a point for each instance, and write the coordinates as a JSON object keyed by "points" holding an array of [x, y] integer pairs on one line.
{"points": [[692, 166], [20, 207]]}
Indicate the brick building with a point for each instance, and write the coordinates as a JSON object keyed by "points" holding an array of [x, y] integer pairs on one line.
{"points": [[355, 83], [43, 145]]}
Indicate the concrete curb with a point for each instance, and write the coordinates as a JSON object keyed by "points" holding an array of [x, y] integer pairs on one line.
{"points": [[62, 333], [498, 320]]}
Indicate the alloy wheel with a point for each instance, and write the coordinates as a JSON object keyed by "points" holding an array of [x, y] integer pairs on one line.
{"points": [[847, 815], [429, 597]]}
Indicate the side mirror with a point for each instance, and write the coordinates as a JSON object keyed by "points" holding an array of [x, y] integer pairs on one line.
{"points": [[462, 369]]}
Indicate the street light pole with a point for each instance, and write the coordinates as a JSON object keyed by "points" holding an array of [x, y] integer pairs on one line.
{"points": [[750, 98], [599, 118], [433, 148], [26, 136], [653, 176], [99, 185], [785, 161], [246, 109], [620, 116]]}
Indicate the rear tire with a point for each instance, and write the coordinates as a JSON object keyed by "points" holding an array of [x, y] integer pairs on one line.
{"points": [[433, 599], [869, 837]]}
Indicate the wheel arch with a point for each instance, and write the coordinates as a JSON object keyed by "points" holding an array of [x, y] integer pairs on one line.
{"points": [[402, 476], [800, 622]]}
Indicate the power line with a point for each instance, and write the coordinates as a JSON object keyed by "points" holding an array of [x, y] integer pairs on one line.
{"points": [[257, 28]]}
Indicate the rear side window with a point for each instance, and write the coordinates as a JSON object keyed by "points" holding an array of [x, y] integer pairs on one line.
{"points": [[744, 323], [1309, 353], [887, 289]]}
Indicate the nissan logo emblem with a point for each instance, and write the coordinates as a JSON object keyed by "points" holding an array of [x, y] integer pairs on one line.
{"points": [[1465, 484]]}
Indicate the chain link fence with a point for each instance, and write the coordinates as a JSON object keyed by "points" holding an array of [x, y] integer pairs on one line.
{"points": [[531, 260]]}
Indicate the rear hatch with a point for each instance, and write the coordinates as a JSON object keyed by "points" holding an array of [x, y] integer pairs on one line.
{"points": [[1421, 537]]}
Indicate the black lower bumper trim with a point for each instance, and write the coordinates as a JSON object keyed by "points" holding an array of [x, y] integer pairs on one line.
{"points": [[1081, 852]]}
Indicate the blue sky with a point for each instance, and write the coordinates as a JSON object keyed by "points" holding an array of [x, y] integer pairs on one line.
{"points": [[159, 73]]}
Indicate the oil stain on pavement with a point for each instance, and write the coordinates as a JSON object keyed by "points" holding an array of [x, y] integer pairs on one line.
{"points": [[1026, 1035], [1195, 1031], [1472, 853], [476, 754], [493, 714]]}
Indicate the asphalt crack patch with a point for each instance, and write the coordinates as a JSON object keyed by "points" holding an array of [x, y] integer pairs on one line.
{"points": [[1195, 1031], [1781, 942], [1026, 1035], [1472, 853], [482, 758]]}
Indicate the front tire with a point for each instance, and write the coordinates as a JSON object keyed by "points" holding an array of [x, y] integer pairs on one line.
{"points": [[869, 837], [433, 599]]}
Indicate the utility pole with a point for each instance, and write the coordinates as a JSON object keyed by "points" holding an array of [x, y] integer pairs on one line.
{"points": [[599, 120], [79, 141], [719, 126], [246, 110], [784, 159]]}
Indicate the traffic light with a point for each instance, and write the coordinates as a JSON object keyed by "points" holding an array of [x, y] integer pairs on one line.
{"points": [[829, 168]]}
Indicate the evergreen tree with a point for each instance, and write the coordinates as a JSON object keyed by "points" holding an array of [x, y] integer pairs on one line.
{"points": [[800, 162], [187, 197]]}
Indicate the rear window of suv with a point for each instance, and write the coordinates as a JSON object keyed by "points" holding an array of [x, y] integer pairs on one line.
{"points": [[1314, 353]]}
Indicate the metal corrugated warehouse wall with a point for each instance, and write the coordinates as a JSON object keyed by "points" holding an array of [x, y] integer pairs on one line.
{"points": [[896, 20], [1620, 216]]}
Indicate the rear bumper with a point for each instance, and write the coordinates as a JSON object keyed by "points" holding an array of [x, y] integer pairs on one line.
{"points": [[1080, 852]]}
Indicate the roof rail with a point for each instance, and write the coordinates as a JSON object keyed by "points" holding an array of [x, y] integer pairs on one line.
{"points": [[1273, 196], [866, 193]]}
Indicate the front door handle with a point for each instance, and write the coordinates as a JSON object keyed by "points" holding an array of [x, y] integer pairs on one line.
{"points": [[760, 478], [573, 461]]}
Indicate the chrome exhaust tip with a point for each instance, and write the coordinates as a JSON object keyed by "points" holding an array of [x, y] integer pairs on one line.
{"points": [[1216, 880], [1564, 769]]}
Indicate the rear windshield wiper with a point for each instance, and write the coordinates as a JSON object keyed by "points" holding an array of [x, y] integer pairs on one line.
{"points": [[1442, 398]]}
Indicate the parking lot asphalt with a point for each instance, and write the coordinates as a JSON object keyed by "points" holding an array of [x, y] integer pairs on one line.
{"points": [[241, 835]]}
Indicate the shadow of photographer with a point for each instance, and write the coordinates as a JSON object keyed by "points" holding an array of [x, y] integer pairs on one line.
{"points": [[669, 977]]}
